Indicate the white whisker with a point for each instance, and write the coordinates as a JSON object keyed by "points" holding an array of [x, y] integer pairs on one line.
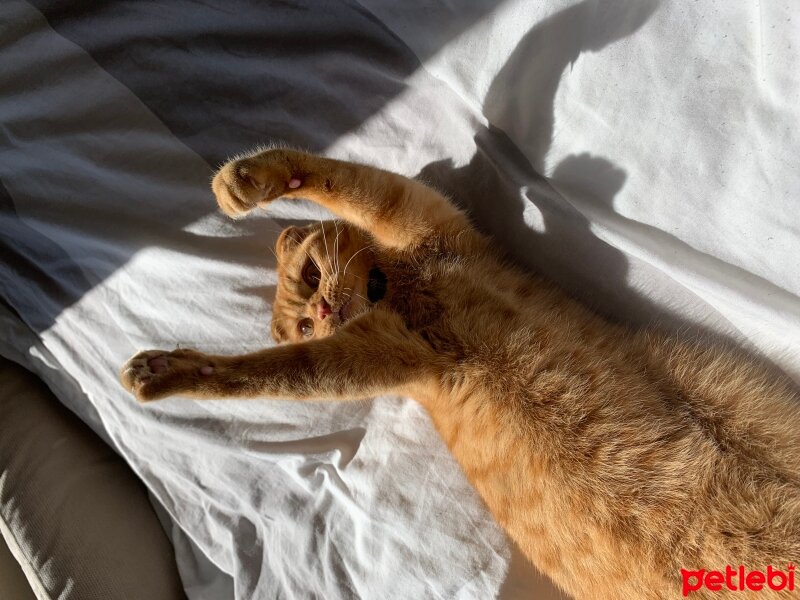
{"points": [[336, 246], [352, 257], [325, 240]]}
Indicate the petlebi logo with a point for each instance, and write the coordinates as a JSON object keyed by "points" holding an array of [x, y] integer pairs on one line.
{"points": [[738, 579]]}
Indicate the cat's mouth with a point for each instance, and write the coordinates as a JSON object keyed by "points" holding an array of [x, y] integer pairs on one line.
{"points": [[376, 285]]}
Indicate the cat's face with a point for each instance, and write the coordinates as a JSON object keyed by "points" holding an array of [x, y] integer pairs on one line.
{"points": [[326, 277]]}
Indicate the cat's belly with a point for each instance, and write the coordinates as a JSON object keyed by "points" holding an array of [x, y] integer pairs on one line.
{"points": [[534, 506], [612, 472]]}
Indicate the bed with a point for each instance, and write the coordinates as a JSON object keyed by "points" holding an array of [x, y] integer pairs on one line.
{"points": [[643, 155]]}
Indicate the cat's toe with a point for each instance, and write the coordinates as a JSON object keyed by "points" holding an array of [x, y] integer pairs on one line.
{"points": [[242, 184], [235, 193], [156, 374], [141, 369]]}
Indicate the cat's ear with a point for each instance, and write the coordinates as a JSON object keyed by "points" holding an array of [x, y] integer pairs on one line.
{"points": [[278, 332], [289, 238]]}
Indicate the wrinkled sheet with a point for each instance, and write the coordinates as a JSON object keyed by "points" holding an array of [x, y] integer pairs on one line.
{"points": [[642, 154]]}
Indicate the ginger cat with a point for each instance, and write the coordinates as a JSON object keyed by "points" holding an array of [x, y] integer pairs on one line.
{"points": [[614, 459]]}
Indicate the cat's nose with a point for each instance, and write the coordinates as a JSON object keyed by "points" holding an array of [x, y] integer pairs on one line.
{"points": [[324, 309]]}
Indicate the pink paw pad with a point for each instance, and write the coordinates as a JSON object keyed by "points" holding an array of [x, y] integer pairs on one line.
{"points": [[206, 370], [295, 183], [159, 364]]}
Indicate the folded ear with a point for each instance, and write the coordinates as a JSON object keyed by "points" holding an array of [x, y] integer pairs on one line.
{"points": [[278, 332], [289, 238]]}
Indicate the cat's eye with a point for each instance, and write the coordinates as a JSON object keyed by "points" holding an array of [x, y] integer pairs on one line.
{"points": [[306, 327], [311, 275]]}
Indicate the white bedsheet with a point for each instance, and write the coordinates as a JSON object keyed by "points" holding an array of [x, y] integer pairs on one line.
{"points": [[643, 154]]}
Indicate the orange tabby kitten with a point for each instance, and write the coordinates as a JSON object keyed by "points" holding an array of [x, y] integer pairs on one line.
{"points": [[614, 459]]}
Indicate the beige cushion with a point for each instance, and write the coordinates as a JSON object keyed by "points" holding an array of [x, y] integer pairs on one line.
{"points": [[13, 583], [74, 515]]}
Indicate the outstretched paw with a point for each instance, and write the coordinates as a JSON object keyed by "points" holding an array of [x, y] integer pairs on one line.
{"points": [[155, 374], [242, 184]]}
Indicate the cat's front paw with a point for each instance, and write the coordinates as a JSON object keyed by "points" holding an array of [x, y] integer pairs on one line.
{"points": [[155, 374], [242, 184]]}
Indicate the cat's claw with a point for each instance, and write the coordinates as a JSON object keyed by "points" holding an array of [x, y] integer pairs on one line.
{"points": [[154, 374]]}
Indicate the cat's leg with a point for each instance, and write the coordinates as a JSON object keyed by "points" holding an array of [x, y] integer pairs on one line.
{"points": [[372, 355], [399, 212]]}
